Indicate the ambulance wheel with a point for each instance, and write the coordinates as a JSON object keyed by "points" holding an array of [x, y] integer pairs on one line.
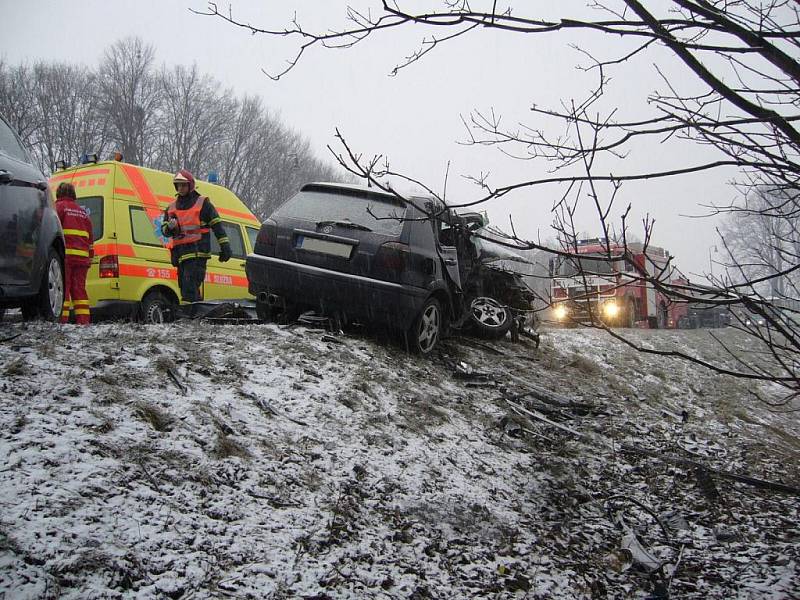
{"points": [[157, 308]]}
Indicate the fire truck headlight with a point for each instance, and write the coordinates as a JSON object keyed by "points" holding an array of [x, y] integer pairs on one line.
{"points": [[560, 312], [611, 309]]}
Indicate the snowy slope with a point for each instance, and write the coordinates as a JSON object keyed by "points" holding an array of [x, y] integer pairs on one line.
{"points": [[299, 465]]}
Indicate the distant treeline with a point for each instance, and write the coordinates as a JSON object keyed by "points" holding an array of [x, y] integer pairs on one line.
{"points": [[166, 118]]}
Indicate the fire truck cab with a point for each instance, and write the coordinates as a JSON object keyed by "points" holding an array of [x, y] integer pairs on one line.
{"points": [[594, 289]]}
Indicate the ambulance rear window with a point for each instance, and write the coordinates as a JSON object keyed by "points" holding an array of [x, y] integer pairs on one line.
{"points": [[144, 231], [94, 208], [234, 235]]}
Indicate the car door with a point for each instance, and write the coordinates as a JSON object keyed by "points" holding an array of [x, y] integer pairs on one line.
{"points": [[23, 197]]}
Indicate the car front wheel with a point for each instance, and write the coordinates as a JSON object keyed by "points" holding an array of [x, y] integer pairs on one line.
{"points": [[50, 300], [491, 318], [427, 328]]}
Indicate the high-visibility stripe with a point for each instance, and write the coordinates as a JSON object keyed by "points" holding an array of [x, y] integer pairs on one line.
{"points": [[225, 279], [81, 311], [170, 273], [189, 255], [76, 174], [237, 214], [74, 252], [165, 272], [143, 190], [67, 304], [118, 249], [78, 232], [81, 303]]}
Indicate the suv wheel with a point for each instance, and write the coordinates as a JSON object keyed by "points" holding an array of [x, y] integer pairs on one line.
{"points": [[427, 328], [156, 309], [50, 299], [491, 318]]}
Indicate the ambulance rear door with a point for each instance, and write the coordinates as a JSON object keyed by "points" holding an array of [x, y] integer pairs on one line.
{"points": [[227, 281]]}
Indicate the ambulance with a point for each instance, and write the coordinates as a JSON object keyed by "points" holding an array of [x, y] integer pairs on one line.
{"points": [[131, 275]]}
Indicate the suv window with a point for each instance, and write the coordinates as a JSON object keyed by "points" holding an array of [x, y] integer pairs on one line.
{"points": [[382, 216], [10, 145], [94, 208], [234, 236]]}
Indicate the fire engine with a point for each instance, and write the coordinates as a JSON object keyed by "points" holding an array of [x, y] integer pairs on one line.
{"points": [[594, 289]]}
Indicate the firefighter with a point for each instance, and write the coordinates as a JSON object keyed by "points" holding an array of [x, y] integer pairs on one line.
{"points": [[188, 221], [77, 253]]}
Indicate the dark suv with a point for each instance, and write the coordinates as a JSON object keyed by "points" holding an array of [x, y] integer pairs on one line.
{"points": [[362, 254], [31, 241]]}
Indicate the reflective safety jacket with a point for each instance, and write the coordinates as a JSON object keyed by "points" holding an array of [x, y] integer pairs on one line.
{"points": [[196, 218], [190, 228], [77, 231]]}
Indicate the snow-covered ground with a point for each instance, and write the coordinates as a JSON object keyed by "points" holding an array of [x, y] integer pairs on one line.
{"points": [[302, 465]]}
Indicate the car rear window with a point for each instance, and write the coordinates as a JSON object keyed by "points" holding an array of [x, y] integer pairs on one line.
{"points": [[379, 214]]}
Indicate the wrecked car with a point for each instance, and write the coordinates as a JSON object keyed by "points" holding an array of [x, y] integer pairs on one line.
{"points": [[361, 254], [494, 294]]}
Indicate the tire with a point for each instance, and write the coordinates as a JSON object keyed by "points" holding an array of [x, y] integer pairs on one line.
{"points": [[156, 309], [426, 331], [489, 317], [49, 302]]}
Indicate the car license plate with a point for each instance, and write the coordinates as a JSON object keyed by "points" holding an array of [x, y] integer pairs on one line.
{"points": [[313, 244]]}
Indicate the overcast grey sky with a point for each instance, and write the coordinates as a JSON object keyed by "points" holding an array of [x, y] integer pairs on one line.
{"points": [[413, 118]]}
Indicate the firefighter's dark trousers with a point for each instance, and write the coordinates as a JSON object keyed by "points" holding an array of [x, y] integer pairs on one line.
{"points": [[191, 273], [75, 296]]}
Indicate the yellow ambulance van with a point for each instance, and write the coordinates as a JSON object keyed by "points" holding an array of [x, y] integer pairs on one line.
{"points": [[131, 275]]}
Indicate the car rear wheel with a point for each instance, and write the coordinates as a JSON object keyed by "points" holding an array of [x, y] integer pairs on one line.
{"points": [[157, 308], [491, 318], [427, 328], [49, 301]]}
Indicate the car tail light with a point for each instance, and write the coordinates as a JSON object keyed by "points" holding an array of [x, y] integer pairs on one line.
{"points": [[392, 256], [109, 266], [266, 235]]}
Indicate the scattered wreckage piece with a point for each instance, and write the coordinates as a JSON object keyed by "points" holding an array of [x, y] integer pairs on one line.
{"points": [[670, 458], [269, 409], [174, 376]]}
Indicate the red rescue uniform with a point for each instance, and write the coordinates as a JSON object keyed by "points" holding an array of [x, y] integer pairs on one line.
{"points": [[78, 252]]}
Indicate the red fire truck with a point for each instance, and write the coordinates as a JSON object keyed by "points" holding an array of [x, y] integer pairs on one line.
{"points": [[594, 289]]}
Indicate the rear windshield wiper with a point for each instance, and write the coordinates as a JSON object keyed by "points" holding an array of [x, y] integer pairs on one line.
{"points": [[349, 224]]}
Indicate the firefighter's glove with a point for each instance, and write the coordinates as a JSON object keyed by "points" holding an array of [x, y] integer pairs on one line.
{"points": [[224, 252]]}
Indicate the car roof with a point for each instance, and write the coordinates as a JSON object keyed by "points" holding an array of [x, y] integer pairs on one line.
{"points": [[354, 187]]}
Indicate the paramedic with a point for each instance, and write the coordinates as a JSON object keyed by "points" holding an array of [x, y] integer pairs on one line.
{"points": [[78, 240]]}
